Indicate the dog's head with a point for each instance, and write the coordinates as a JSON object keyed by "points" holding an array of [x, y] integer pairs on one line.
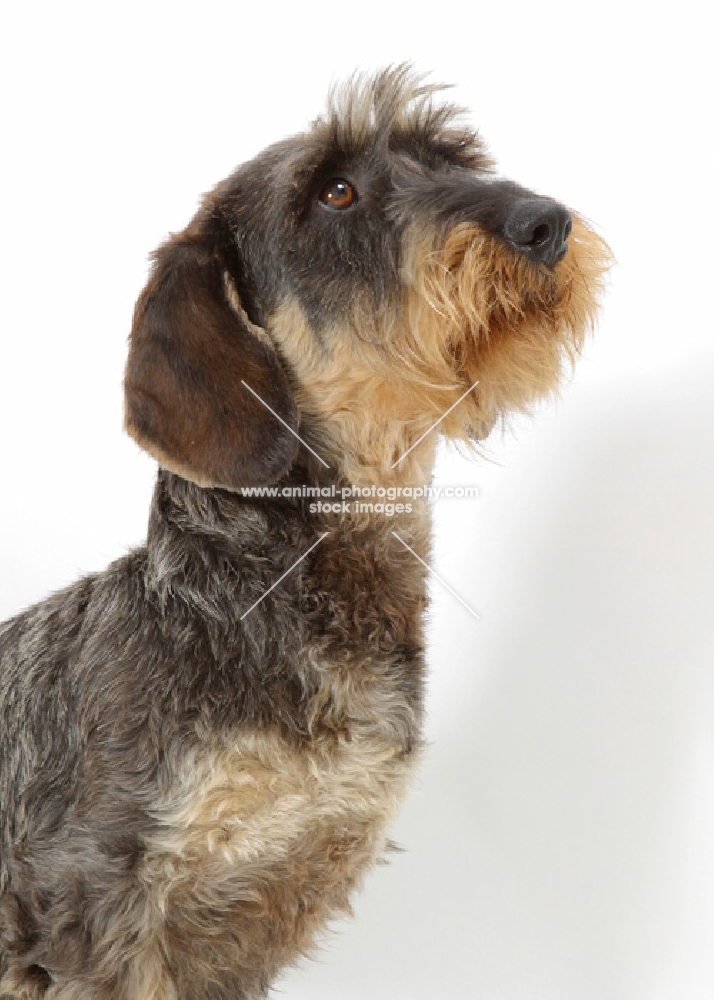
{"points": [[350, 284]]}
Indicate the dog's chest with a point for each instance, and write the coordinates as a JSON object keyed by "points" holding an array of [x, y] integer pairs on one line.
{"points": [[308, 819], [256, 797], [262, 838]]}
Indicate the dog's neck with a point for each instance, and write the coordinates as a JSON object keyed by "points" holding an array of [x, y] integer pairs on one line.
{"points": [[362, 415], [366, 535], [350, 591], [311, 500]]}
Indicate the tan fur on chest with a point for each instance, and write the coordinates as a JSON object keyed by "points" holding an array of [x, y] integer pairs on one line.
{"points": [[270, 837], [254, 798]]}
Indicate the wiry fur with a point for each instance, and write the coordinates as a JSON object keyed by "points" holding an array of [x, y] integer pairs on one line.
{"points": [[396, 109], [188, 795]]}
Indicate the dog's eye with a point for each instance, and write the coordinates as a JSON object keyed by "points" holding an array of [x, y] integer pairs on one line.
{"points": [[338, 193]]}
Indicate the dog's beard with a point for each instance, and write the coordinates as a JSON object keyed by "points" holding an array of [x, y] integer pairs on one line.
{"points": [[471, 311], [476, 312]]}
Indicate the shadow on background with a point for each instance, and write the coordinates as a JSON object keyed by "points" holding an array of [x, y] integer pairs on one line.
{"points": [[558, 836]]}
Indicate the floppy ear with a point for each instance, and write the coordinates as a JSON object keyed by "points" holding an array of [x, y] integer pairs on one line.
{"points": [[190, 350]]}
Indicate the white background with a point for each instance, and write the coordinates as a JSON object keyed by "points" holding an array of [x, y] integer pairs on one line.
{"points": [[560, 838]]}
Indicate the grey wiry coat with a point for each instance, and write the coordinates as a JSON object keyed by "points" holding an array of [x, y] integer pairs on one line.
{"points": [[192, 783]]}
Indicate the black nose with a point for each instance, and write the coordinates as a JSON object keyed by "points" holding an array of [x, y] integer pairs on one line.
{"points": [[540, 229]]}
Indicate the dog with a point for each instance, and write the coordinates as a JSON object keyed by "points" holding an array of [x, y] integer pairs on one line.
{"points": [[202, 747]]}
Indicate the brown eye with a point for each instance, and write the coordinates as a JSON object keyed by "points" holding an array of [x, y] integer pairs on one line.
{"points": [[338, 193]]}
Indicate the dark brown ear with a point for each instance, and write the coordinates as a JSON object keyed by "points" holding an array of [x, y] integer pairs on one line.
{"points": [[190, 351]]}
